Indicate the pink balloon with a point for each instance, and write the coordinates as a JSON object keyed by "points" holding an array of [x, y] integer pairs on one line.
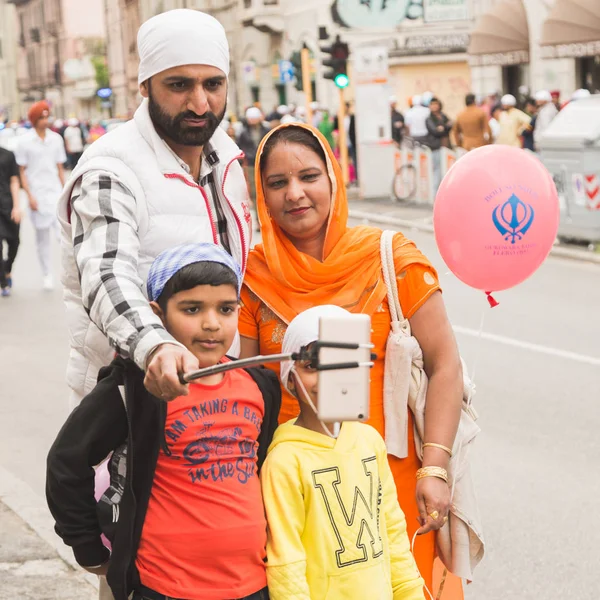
{"points": [[496, 217]]}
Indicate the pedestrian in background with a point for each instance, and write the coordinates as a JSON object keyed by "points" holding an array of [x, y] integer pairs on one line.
{"points": [[494, 123], [41, 156], [438, 127], [251, 134], [10, 217], [96, 131], [73, 143], [471, 129], [416, 120], [513, 122], [326, 127], [532, 112], [546, 112], [397, 121]]}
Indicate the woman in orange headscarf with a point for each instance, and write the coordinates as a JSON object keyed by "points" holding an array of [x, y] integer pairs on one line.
{"points": [[309, 256]]}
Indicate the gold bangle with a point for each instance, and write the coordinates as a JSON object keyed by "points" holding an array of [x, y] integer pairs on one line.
{"points": [[432, 472], [444, 448]]}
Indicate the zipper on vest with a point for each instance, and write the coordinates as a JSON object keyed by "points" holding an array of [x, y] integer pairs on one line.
{"points": [[235, 214], [208, 209]]}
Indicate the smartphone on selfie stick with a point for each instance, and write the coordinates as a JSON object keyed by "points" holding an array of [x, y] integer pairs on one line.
{"points": [[342, 356]]}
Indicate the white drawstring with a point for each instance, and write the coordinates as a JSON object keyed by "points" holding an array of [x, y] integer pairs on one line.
{"points": [[336, 426]]}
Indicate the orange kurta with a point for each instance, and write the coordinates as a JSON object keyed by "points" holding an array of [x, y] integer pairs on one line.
{"points": [[258, 321]]}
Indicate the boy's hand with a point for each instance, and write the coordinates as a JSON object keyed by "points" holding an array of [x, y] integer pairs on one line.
{"points": [[433, 496], [165, 365], [101, 570]]}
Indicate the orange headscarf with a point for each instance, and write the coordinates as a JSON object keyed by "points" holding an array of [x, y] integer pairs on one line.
{"points": [[349, 275]]}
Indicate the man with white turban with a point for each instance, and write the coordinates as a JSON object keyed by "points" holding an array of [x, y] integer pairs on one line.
{"points": [[253, 131], [416, 119], [169, 176], [546, 112], [512, 121]]}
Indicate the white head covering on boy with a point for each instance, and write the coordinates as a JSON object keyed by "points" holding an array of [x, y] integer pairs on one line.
{"points": [[304, 330]]}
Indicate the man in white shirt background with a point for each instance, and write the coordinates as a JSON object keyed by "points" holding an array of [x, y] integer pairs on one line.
{"points": [[415, 120], [73, 142], [40, 155]]}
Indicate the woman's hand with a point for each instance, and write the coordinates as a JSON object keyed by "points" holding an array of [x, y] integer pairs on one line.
{"points": [[433, 495], [15, 215]]}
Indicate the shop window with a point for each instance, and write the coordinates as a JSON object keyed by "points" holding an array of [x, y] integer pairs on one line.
{"points": [[281, 93], [255, 91]]}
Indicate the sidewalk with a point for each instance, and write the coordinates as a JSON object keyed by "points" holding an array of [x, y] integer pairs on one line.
{"points": [[30, 569]]}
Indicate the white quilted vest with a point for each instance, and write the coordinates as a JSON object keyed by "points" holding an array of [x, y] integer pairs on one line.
{"points": [[171, 209]]}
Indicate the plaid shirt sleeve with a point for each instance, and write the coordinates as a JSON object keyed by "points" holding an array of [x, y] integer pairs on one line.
{"points": [[106, 247]]}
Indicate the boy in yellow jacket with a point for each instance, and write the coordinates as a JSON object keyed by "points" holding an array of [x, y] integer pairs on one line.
{"points": [[335, 528]]}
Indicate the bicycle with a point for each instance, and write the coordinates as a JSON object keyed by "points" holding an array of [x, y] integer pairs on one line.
{"points": [[405, 181]]}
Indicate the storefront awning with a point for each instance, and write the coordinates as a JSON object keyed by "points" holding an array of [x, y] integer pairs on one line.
{"points": [[501, 36], [572, 29]]}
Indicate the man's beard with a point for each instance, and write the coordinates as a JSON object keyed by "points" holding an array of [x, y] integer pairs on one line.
{"points": [[174, 129]]}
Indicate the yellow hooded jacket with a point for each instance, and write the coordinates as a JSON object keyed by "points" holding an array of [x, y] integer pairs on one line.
{"points": [[336, 530]]}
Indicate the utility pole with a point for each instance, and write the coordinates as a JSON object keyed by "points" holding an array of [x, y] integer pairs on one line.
{"points": [[306, 82], [342, 141]]}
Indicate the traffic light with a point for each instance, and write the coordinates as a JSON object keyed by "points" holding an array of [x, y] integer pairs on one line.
{"points": [[338, 63], [296, 60]]}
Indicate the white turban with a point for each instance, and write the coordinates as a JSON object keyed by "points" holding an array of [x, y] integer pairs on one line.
{"points": [[508, 100], [417, 100], [304, 330], [181, 37], [579, 94], [543, 96], [254, 113]]}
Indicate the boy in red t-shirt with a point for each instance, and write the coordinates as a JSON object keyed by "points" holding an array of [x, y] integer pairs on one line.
{"points": [[190, 523]]}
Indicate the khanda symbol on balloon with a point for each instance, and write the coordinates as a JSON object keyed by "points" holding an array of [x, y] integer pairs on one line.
{"points": [[513, 219]]}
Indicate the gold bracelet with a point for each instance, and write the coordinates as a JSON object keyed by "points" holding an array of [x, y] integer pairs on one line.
{"points": [[444, 448], [432, 472]]}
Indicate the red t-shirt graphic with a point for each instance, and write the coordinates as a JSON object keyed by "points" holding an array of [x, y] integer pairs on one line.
{"points": [[204, 535]]}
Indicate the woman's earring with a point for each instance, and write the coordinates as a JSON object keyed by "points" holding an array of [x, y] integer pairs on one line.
{"points": [[268, 213]]}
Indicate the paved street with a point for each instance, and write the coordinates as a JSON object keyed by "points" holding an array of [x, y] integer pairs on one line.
{"points": [[535, 464]]}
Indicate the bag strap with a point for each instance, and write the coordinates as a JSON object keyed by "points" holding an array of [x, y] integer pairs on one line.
{"points": [[389, 274]]}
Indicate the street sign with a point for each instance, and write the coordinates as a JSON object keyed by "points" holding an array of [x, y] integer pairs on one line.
{"points": [[286, 71], [104, 93], [249, 72], [371, 64]]}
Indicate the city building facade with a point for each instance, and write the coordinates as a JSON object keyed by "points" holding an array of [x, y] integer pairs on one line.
{"points": [[447, 47], [58, 42], [9, 94]]}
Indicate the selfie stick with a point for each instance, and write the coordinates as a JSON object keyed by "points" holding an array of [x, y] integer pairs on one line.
{"points": [[304, 354]]}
